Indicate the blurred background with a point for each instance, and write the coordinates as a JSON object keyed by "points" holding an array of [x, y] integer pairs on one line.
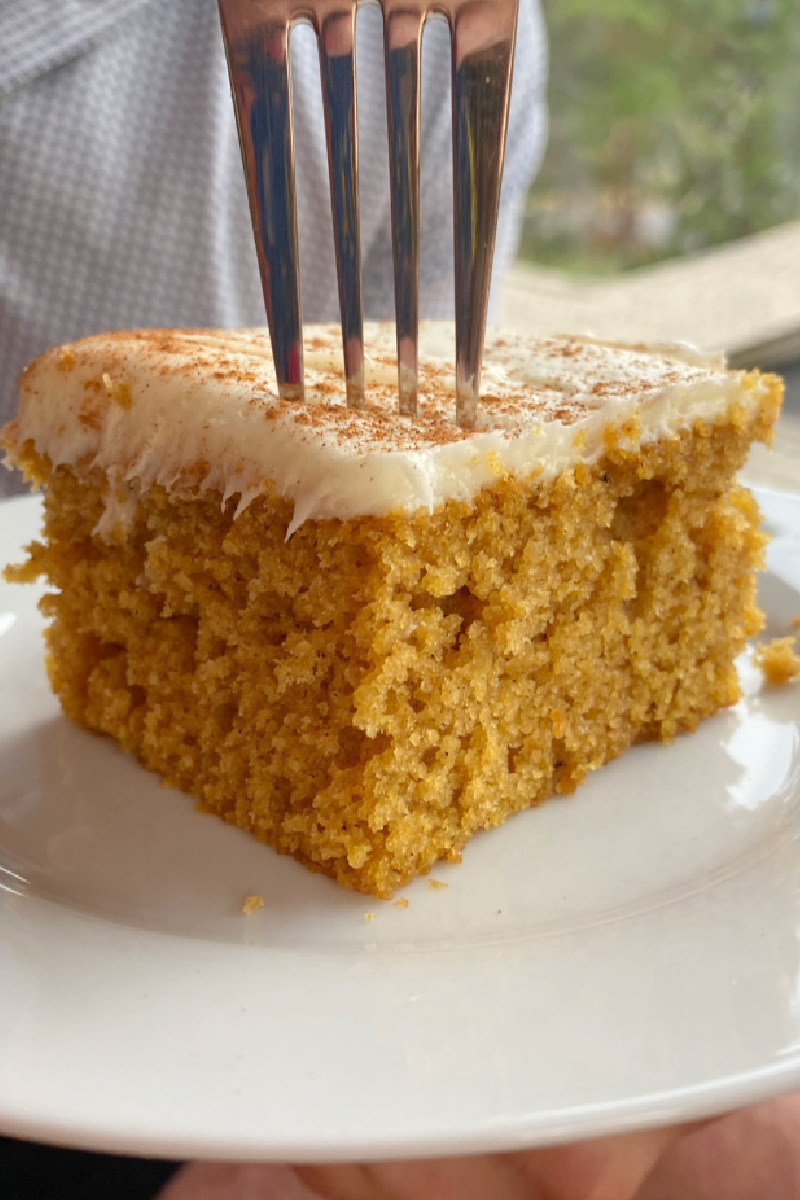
{"points": [[674, 127]]}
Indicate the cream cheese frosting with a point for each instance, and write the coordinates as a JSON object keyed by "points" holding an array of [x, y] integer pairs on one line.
{"points": [[200, 409]]}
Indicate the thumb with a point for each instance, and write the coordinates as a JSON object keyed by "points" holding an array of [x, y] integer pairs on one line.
{"points": [[611, 1168]]}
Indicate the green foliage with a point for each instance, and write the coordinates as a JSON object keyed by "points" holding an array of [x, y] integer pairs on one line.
{"points": [[689, 109]]}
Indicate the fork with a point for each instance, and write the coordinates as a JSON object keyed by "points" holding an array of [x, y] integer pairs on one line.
{"points": [[483, 32]]}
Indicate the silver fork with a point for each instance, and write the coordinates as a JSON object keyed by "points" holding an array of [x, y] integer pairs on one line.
{"points": [[483, 33]]}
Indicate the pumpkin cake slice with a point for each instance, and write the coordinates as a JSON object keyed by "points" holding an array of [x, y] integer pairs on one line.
{"points": [[363, 636]]}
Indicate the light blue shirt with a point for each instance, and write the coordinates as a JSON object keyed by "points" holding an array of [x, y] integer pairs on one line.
{"points": [[122, 198]]}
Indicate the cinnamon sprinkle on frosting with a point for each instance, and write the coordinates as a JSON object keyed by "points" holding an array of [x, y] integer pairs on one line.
{"points": [[165, 401]]}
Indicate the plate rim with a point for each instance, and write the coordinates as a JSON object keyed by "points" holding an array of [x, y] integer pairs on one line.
{"points": [[679, 1106]]}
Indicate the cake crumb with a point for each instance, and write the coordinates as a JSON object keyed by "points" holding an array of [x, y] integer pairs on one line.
{"points": [[370, 916], [251, 904], [436, 885], [120, 393], [778, 660], [401, 903]]}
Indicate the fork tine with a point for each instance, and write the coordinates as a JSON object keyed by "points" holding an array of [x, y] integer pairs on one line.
{"points": [[483, 53], [402, 38], [258, 63], [337, 64]]}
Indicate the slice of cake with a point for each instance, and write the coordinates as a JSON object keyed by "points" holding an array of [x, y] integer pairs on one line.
{"points": [[360, 636]]}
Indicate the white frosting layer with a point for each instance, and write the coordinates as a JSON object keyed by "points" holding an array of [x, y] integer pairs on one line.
{"points": [[200, 409]]}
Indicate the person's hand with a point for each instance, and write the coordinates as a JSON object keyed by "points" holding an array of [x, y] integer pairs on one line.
{"points": [[747, 1156], [611, 1169]]}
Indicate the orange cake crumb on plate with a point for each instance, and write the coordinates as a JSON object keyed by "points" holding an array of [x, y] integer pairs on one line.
{"points": [[778, 660]]}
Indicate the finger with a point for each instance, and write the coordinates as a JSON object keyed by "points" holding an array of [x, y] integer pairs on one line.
{"points": [[339, 1181], [234, 1181], [606, 1169], [752, 1153], [478, 1178]]}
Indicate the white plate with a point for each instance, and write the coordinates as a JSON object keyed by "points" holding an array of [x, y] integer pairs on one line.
{"points": [[626, 956]]}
